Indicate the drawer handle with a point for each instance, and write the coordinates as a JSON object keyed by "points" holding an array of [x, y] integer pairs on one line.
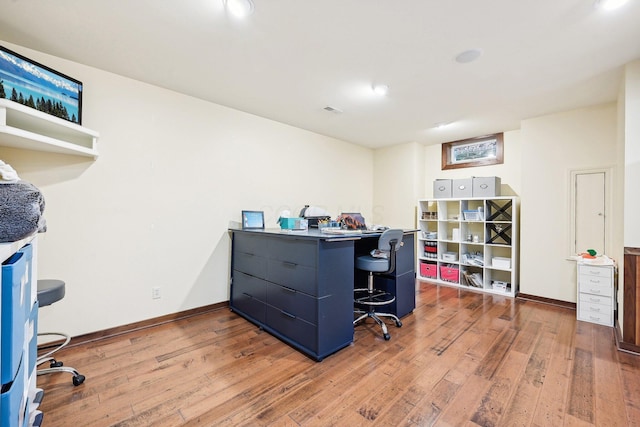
{"points": [[597, 310], [287, 314], [291, 291], [594, 272], [594, 318], [597, 282], [595, 299], [595, 291], [289, 264]]}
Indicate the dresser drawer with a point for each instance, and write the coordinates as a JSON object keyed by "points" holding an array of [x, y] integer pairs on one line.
{"points": [[254, 265], [295, 276], [250, 244], [595, 285], [590, 270], [249, 285], [296, 251], [595, 313], [596, 299], [294, 328], [248, 294], [293, 302]]}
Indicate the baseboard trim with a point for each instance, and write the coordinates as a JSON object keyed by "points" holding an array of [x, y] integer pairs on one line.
{"points": [[156, 321], [624, 346], [550, 301]]}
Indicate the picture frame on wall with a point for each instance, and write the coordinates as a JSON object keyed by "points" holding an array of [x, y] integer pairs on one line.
{"points": [[37, 86], [480, 151]]}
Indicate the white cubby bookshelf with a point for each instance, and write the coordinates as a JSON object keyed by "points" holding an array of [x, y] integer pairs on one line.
{"points": [[469, 243]]}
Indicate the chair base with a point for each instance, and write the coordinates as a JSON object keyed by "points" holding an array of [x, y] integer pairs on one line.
{"points": [[377, 317], [372, 298], [56, 366]]}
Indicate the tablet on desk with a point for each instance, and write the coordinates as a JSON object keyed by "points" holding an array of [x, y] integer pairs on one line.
{"points": [[252, 220]]}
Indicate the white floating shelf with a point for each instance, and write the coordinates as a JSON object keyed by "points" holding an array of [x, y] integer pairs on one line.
{"points": [[30, 129]]}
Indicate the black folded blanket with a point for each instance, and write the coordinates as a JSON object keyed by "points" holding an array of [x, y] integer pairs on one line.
{"points": [[21, 208]]}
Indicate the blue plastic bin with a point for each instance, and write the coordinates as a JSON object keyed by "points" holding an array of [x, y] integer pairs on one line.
{"points": [[14, 402], [27, 250], [13, 315]]}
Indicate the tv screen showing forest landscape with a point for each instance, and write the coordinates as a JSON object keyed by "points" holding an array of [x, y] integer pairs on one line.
{"points": [[37, 86]]}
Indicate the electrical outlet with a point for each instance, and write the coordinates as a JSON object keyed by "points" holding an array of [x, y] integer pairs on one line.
{"points": [[155, 293]]}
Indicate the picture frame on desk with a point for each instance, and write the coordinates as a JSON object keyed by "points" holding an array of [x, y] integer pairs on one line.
{"points": [[480, 151], [37, 86]]}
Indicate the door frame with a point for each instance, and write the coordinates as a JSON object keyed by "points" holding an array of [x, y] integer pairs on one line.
{"points": [[608, 207]]}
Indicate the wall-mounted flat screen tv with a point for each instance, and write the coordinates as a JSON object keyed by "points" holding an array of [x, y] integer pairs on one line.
{"points": [[38, 86]]}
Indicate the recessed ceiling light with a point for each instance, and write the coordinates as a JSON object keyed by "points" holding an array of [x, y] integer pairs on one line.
{"points": [[239, 8], [469, 55], [609, 4], [380, 89], [441, 125]]}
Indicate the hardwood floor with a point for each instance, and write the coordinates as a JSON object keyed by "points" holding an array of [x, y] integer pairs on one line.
{"points": [[461, 358]]}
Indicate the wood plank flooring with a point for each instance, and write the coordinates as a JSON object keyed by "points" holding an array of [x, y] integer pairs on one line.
{"points": [[460, 359]]}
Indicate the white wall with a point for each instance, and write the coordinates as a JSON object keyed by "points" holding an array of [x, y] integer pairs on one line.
{"points": [[553, 146], [398, 184], [631, 126], [154, 208]]}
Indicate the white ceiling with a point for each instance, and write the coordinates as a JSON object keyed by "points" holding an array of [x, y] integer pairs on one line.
{"points": [[292, 58]]}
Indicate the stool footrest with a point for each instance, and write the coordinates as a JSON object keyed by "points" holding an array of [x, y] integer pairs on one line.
{"points": [[377, 297]]}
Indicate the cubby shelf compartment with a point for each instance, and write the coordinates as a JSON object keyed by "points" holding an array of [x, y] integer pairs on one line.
{"points": [[26, 128], [468, 235]]}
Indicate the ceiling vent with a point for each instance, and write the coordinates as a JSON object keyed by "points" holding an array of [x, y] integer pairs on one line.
{"points": [[331, 109]]}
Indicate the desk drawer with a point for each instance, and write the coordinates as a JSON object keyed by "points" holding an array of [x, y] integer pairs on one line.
{"points": [[293, 302], [248, 294], [596, 313], [292, 327], [595, 285], [596, 299], [295, 276], [296, 251], [251, 244], [254, 265], [590, 270]]}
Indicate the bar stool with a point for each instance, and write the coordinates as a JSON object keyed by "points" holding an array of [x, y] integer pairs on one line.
{"points": [[49, 292], [384, 262]]}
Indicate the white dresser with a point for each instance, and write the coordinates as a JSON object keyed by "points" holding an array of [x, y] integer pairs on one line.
{"points": [[596, 293]]}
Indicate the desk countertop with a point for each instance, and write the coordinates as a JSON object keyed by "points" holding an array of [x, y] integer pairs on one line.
{"points": [[314, 233]]}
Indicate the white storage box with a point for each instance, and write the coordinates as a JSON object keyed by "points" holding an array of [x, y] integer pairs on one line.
{"points": [[462, 188], [501, 262], [450, 256], [497, 285], [442, 189], [486, 186]]}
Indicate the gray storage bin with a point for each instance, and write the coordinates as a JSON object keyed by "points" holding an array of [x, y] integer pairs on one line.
{"points": [[486, 186], [442, 189], [462, 188]]}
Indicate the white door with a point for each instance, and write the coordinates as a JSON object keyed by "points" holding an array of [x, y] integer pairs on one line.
{"points": [[590, 212]]}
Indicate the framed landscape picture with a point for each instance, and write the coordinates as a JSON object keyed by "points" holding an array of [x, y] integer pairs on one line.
{"points": [[37, 86], [480, 151]]}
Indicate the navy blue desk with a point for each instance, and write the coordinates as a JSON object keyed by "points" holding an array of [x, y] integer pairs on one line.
{"points": [[298, 286]]}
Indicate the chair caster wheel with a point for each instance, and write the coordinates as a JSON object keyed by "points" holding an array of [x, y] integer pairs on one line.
{"points": [[398, 323], [56, 364], [387, 337], [78, 379]]}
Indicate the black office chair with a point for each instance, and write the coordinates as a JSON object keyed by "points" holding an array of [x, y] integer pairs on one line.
{"points": [[50, 291], [382, 262]]}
